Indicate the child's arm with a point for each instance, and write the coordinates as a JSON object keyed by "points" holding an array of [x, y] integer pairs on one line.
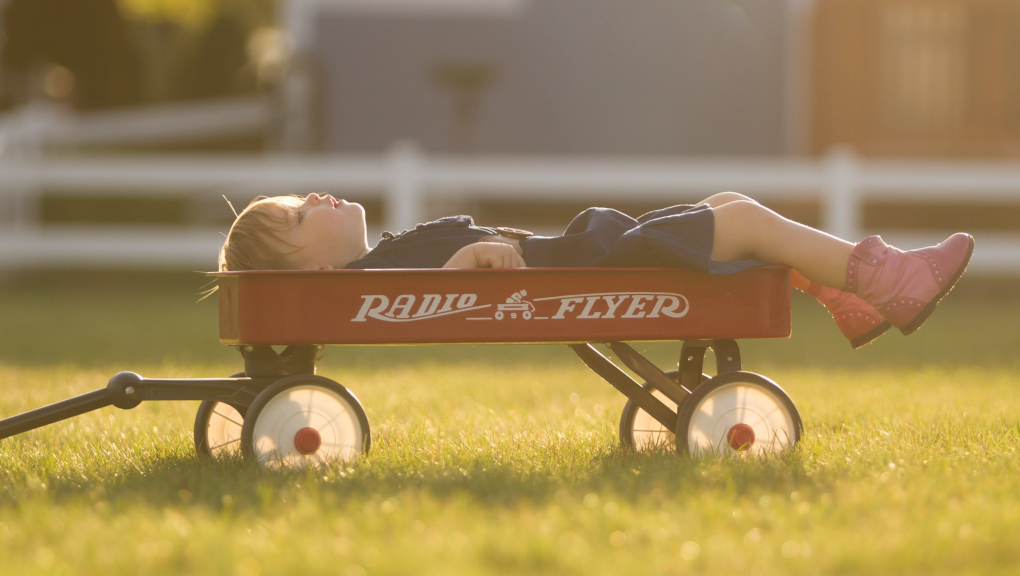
{"points": [[486, 255]]}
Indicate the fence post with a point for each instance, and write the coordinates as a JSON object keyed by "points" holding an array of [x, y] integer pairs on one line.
{"points": [[841, 198], [23, 145], [405, 190]]}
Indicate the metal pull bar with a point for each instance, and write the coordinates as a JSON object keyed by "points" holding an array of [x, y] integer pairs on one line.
{"points": [[55, 412], [234, 391]]}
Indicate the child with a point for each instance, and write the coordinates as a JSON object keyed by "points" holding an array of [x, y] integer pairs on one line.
{"points": [[867, 287]]}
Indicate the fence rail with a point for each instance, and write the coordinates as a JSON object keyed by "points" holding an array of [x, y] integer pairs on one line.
{"points": [[406, 181], [41, 124]]}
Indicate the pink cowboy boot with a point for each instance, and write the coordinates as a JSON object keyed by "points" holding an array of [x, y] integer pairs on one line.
{"points": [[855, 318], [906, 286]]}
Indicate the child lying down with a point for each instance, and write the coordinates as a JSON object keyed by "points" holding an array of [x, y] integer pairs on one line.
{"points": [[867, 287]]}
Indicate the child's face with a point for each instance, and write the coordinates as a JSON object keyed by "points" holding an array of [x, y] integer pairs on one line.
{"points": [[329, 233]]}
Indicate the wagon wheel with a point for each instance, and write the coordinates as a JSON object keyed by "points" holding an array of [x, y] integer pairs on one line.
{"points": [[218, 428], [304, 420], [738, 413], [638, 430]]}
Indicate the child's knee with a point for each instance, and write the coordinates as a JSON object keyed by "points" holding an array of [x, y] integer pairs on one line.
{"points": [[723, 198], [748, 215]]}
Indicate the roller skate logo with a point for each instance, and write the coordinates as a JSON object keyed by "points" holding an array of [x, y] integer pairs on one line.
{"points": [[515, 304]]}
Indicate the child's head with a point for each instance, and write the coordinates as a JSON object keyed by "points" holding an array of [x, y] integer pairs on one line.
{"points": [[295, 233]]}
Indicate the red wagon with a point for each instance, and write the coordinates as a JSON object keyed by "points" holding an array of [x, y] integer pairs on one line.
{"points": [[280, 412]]}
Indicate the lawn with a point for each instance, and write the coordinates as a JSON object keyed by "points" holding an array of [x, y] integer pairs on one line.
{"points": [[505, 459]]}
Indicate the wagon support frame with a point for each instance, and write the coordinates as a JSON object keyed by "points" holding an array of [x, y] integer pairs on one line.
{"points": [[127, 390], [692, 357]]}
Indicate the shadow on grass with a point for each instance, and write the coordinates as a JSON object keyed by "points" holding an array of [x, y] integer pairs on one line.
{"points": [[237, 485]]}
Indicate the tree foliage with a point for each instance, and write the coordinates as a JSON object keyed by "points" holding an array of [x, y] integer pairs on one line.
{"points": [[200, 13], [87, 37]]}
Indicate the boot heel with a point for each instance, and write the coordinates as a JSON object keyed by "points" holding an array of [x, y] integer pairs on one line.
{"points": [[870, 336]]}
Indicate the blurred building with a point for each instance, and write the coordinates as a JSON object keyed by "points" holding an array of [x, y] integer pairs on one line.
{"points": [[545, 77], [910, 77], [625, 104], [891, 77]]}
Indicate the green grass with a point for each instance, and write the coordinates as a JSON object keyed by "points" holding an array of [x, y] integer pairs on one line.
{"points": [[505, 459]]}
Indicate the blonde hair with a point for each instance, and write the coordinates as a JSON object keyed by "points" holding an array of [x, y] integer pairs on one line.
{"points": [[253, 242]]}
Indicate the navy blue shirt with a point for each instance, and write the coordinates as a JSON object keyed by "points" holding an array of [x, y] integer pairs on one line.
{"points": [[428, 245], [677, 237]]}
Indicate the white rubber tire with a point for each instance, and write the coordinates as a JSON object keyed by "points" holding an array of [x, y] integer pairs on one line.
{"points": [[217, 428], [738, 414], [221, 424], [639, 431], [645, 433], [287, 415]]}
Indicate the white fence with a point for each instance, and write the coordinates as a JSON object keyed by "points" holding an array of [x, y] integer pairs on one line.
{"points": [[31, 127], [407, 181]]}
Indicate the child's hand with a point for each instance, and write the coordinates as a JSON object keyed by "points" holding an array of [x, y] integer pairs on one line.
{"points": [[486, 255]]}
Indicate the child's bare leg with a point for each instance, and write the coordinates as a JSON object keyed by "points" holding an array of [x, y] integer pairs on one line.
{"points": [[797, 280], [899, 288], [747, 230]]}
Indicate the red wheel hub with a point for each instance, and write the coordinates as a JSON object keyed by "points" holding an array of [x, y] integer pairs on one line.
{"points": [[740, 437], [307, 440]]}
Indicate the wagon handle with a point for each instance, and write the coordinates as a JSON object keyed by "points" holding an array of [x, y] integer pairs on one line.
{"points": [[127, 390], [55, 412]]}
